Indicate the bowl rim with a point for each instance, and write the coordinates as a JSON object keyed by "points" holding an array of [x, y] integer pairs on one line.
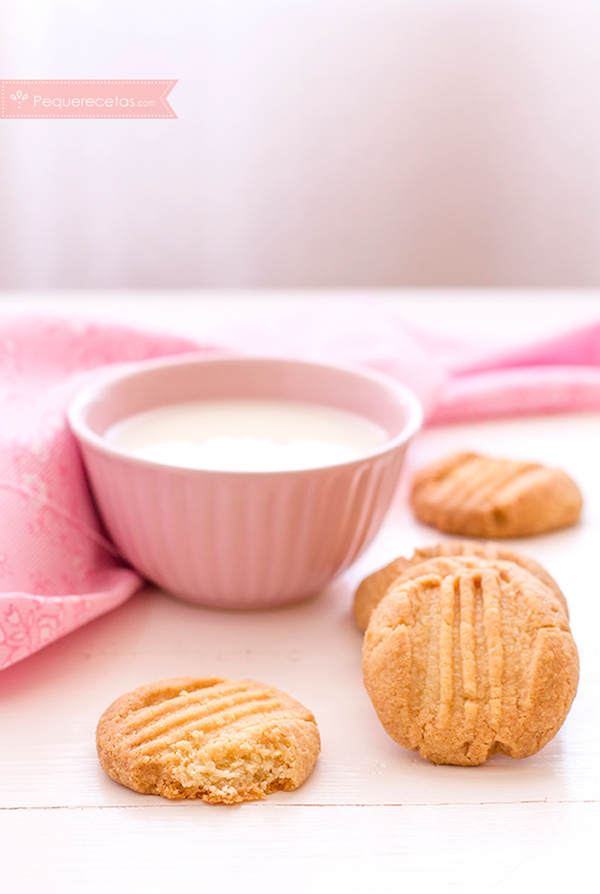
{"points": [[100, 378]]}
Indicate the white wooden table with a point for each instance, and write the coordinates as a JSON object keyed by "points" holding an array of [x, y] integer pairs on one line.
{"points": [[372, 816]]}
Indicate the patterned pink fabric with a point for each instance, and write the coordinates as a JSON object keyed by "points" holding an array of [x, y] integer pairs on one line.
{"points": [[58, 570], [551, 376]]}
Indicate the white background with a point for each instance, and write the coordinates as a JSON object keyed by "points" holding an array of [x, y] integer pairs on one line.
{"points": [[319, 143]]}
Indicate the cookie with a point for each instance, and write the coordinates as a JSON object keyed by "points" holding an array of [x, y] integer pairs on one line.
{"points": [[374, 587], [464, 664], [480, 496], [209, 738]]}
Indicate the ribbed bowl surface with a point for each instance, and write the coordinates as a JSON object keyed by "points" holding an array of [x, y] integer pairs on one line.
{"points": [[241, 539]]}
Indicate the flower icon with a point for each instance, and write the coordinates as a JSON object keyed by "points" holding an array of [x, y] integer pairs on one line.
{"points": [[19, 97]]}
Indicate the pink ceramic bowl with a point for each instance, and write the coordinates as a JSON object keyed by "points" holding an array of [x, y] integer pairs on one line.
{"points": [[241, 539]]}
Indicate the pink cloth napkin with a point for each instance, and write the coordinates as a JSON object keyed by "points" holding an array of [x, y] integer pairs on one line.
{"points": [[555, 375], [57, 568]]}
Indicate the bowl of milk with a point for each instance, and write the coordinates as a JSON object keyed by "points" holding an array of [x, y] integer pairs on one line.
{"points": [[242, 482]]}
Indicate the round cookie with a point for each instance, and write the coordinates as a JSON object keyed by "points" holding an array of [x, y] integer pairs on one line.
{"points": [[209, 738], [481, 496], [374, 587], [465, 663]]}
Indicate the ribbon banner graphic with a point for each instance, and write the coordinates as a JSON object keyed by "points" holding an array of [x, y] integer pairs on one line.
{"points": [[85, 99]]}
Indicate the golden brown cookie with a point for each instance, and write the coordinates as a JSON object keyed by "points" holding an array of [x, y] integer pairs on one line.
{"points": [[374, 587], [464, 664], [209, 738], [480, 496]]}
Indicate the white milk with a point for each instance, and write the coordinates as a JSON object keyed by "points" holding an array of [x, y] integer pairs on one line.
{"points": [[247, 435]]}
